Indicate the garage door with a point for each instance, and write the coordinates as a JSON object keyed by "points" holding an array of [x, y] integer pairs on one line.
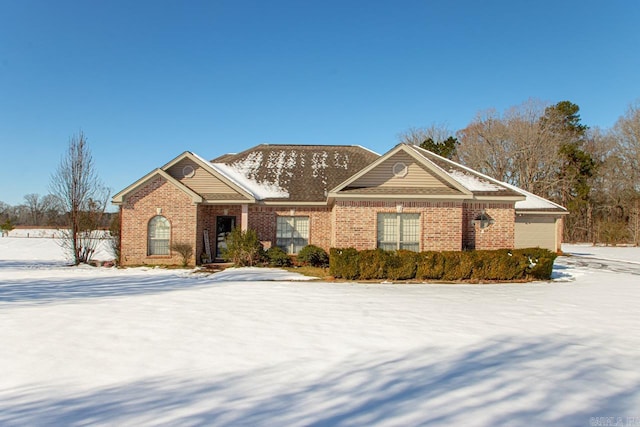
{"points": [[536, 231]]}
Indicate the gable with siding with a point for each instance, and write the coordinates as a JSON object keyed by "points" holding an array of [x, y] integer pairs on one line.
{"points": [[204, 182], [400, 170], [401, 173]]}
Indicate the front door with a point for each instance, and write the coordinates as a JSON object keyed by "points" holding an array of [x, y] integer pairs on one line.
{"points": [[224, 225]]}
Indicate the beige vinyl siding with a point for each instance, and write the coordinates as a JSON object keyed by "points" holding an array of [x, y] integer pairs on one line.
{"points": [[535, 231], [383, 176], [202, 181]]}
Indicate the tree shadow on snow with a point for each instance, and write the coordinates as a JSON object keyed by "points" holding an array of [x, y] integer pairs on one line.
{"points": [[511, 381], [44, 291], [31, 265], [560, 273]]}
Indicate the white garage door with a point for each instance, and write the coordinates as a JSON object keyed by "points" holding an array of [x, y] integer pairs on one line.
{"points": [[536, 231]]}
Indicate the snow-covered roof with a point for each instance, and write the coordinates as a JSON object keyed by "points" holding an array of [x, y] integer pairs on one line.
{"points": [[533, 202], [473, 182], [260, 190], [298, 173]]}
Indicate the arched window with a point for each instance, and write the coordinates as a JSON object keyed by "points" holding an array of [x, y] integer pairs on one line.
{"points": [[158, 233]]}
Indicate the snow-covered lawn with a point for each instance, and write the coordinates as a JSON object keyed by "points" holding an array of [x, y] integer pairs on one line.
{"points": [[144, 346]]}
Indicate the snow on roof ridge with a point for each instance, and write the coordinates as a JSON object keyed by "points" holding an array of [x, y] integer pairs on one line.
{"points": [[258, 190], [366, 149]]}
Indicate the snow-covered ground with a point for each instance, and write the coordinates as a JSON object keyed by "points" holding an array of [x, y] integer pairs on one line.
{"points": [[145, 346]]}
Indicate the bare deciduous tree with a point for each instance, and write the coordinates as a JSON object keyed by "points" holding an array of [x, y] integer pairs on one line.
{"points": [[416, 136], [76, 185], [514, 147], [38, 207], [627, 132]]}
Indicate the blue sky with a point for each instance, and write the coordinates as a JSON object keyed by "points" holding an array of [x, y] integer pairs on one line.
{"points": [[147, 80]]}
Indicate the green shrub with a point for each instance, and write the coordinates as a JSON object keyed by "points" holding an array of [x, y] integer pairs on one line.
{"points": [[344, 263], [498, 265], [372, 264], [457, 265], [430, 266], [401, 265], [502, 264], [540, 262], [243, 247], [7, 225], [314, 256], [277, 257]]}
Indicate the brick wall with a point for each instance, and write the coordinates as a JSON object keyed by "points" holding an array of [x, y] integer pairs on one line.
{"points": [[356, 223], [263, 220], [145, 203], [443, 226], [499, 235]]}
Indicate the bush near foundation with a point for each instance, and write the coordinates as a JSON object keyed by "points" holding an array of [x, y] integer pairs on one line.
{"points": [[430, 266], [314, 256], [401, 265], [496, 265], [344, 263], [458, 265], [243, 248], [277, 257], [372, 263], [499, 265]]}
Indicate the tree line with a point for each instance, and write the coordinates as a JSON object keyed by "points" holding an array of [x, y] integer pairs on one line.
{"points": [[547, 150], [41, 211]]}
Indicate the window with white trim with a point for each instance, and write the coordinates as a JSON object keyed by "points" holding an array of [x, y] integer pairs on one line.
{"points": [[399, 231], [158, 232], [292, 233]]}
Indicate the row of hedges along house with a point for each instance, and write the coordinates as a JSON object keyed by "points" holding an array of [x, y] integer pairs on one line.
{"points": [[329, 196]]}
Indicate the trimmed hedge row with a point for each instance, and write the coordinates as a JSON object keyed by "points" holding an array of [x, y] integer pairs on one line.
{"points": [[501, 264]]}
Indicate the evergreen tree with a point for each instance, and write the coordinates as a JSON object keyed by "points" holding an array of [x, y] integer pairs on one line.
{"points": [[446, 148], [577, 167]]}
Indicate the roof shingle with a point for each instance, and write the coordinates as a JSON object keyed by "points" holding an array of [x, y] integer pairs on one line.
{"points": [[305, 172]]}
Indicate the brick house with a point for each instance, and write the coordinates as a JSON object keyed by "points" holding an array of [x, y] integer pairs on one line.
{"points": [[329, 196]]}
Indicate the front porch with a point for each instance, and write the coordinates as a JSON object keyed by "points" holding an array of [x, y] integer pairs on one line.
{"points": [[215, 222]]}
